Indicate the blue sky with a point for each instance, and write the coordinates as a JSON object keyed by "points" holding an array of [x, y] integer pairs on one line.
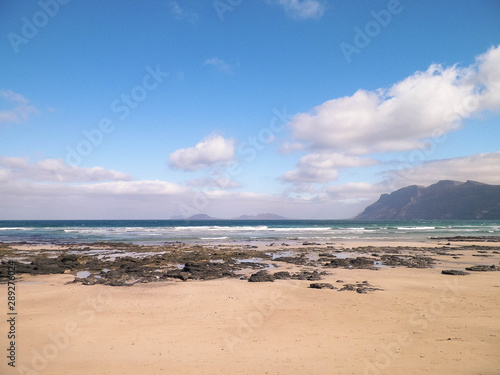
{"points": [[304, 108]]}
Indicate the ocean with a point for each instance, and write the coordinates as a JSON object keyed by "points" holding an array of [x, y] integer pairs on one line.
{"points": [[157, 232]]}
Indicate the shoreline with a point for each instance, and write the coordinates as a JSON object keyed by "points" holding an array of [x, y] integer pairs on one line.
{"points": [[409, 320], [124, 264], [348, 243]]}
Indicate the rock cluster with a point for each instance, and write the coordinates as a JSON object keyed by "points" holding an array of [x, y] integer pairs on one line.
{"points": [[455, 272], [321, 286], [264, 276], [409, 261], [358, 262], [483, 268], [362, 288]]}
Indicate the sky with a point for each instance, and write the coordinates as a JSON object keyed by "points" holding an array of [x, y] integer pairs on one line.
{"points": [[310, 109]]}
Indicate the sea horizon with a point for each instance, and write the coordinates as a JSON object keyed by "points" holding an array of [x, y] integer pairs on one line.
{"points": [[232, 231]]}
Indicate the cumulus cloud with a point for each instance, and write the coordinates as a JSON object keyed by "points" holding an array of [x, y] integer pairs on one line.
{"points": [[483, 167], [218, 64], [323, 167], [213, 150], [21, 109], [302, 9], [55, 170], [402, 116], [289, 147]]}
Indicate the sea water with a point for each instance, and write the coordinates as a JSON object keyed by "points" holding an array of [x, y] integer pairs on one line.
{"points": [[152, 232]]}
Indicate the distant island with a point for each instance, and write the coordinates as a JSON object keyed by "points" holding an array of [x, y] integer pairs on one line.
{"points": [[242, 217], [445, 200], [201, 217]]}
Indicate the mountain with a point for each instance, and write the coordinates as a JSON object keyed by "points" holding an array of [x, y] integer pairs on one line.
{"points": [[444, 200], [201, 217], [261, 217]]}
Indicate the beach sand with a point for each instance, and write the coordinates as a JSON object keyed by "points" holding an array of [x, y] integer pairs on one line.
{"points": [[421, 322]]}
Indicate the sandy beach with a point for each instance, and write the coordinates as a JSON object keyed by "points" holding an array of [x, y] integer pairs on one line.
{"points": [[420, 321]]}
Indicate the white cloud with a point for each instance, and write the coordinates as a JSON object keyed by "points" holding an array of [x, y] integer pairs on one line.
{"points": [[355, 191], [404, 115], [301, 188], [149, 200], [323, 167], [489, 75], [181, 14], [219, 64], [55, 170], [135, 188], [302, 9], [21, 110], [289, 147], [479, 167], [310, 175], [213, 150], [216, 181]]}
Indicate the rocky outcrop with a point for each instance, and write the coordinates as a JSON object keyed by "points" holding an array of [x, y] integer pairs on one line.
{"points": [[444, 200], [260, 277], [321, 286], [455, 272], [483, 268]]}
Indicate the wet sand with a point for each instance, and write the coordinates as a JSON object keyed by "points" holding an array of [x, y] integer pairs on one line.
{"points": [[421, 322]]}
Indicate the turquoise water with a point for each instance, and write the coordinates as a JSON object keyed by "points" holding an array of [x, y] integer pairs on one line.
{"points": [[231, 231]]}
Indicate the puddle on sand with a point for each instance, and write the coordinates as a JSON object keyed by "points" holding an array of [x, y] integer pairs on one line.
{"points": [[83, 274], [250, 260], [379, 264], [283, 254]]}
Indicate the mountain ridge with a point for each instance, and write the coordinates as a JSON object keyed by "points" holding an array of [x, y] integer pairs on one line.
{"points": [[444, 200]]}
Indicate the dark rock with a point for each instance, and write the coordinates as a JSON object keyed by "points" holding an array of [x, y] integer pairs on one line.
{"points": [[67, 258], [483, 268], [321, 286], [470, 238], [408, 261], [177, 274], [282, 275], [455, 272], [348, 287], [358, 262], [208, 270], [298, 260], [261, 276], [307, 275], [361, 288]]}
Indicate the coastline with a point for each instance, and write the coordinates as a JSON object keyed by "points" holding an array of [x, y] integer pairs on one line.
{"points": [[420, 320]]}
